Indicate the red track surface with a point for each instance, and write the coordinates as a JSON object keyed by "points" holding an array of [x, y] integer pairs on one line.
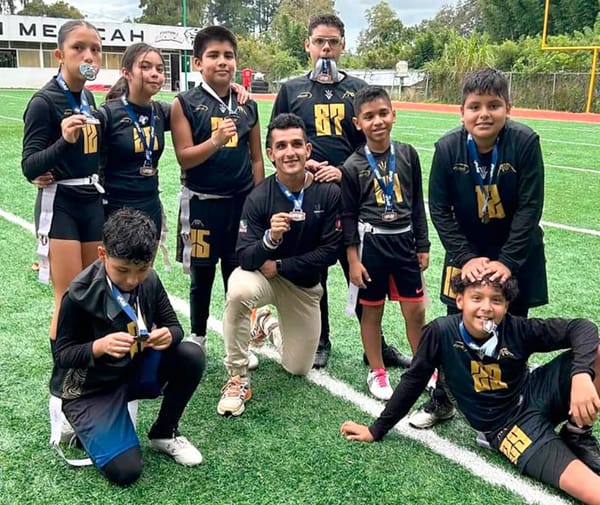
{"points": [[454, 109]]}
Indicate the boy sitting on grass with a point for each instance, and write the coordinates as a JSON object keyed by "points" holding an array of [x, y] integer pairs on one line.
{"points": [[119, 340], [484, 355]]}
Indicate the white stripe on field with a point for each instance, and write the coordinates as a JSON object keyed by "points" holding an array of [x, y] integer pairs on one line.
{"points": [[11, 118], [587, 231], [495, 475]]}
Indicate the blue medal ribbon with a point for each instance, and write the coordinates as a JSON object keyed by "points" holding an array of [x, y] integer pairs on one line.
{"points": [[487, 348], [387, 188], [128, 309], [83, 107], [483, 179], [290, 196], [148, 146]]}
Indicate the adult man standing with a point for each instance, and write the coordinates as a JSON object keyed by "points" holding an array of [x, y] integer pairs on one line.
{"points": [[323, 99], [289, 233]]}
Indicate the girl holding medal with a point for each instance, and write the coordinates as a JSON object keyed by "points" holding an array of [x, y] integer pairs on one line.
{"points": [[61, 155], [134, 128]]}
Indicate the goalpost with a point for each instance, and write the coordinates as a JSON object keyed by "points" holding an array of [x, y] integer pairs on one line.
{"points": [[594, 49]]}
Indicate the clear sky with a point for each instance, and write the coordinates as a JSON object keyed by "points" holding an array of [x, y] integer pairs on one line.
{"points": [[352, 12]]}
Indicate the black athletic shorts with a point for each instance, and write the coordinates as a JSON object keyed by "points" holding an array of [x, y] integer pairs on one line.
{"points": [[530, 440], [77, 214], [391, 261], [214, 225]]}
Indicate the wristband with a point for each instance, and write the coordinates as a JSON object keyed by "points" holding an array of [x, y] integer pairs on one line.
{"points": [[278, 266]]}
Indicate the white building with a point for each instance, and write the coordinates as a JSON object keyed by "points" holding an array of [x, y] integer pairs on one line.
{"points": [[27, 44]]}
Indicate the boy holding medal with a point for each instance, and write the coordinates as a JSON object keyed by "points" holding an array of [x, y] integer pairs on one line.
{"points": [[485, 354], [119, 340], [486, 195], [288, 233], [385, 230], [217, 144]]}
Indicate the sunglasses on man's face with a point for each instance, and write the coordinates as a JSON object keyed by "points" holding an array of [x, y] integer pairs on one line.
{"points": [[321, 41]]}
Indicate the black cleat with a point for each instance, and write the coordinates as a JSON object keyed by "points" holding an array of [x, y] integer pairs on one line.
{"points": [[322, 355], [583, 444], [392, 358]]}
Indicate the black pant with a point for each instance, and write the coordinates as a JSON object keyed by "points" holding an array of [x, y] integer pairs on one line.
{"points": [[181, 369], [201, 283]]}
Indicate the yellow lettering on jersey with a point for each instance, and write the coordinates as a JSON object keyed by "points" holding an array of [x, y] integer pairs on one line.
{"points": [[138, 146], [449, 272], [487, 377], [90, 139], [214, 126], [200, 247], [495, 208], [379, 192], [136, 346], [514, 444], [325, 114]]}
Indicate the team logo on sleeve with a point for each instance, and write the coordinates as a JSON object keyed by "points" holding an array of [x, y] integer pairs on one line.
{"points": [[243, 226], [200, 108], [305, 94], [506, 168], [461, 168], [348, 94]]}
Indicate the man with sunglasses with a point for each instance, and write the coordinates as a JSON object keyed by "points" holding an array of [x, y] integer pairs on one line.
{"points": [[323, 99]]}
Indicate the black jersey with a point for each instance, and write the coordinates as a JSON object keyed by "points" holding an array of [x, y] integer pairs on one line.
{"points": [[362, 196], [487, 391], [229, 170], [44, 148], [310, 245], [327, 111], [513, 234], [123, 152]]}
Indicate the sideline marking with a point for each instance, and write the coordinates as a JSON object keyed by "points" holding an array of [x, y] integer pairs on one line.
{"points": [[494, 475]]}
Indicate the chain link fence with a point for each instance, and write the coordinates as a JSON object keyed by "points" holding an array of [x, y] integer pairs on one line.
{"points": [[557, 91]]}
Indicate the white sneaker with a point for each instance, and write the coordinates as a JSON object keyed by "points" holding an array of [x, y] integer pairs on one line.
{"points": [[234, 395], [252, 361], [199, 340], [379, 384], [179, 448]]}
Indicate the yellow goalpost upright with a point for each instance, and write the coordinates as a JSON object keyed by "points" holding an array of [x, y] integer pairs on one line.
{"points": [[594, 49]]}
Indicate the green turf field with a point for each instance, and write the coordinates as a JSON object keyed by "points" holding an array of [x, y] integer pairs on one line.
{"points": [[286, 448]]}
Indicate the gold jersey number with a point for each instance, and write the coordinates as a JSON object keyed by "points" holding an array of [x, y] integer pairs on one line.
{"points": [[214, 126], [495, 208], [486, 377], [138, 145], [328, 118]]}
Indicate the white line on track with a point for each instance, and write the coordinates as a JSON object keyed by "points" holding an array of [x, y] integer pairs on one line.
{"points": [[493, 474]]}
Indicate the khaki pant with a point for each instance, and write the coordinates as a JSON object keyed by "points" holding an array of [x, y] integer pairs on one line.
{"points": [[299, 320]]}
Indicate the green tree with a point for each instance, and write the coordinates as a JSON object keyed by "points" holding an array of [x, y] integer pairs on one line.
{"points": [[239, 16], [265, 12], [167, 12], [464, 18], [7, 6], [386, 40], [567, 16], [59, 9]]}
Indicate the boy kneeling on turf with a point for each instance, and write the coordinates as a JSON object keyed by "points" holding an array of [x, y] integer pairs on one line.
{"points": [[119, 340], [484, 354]]}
